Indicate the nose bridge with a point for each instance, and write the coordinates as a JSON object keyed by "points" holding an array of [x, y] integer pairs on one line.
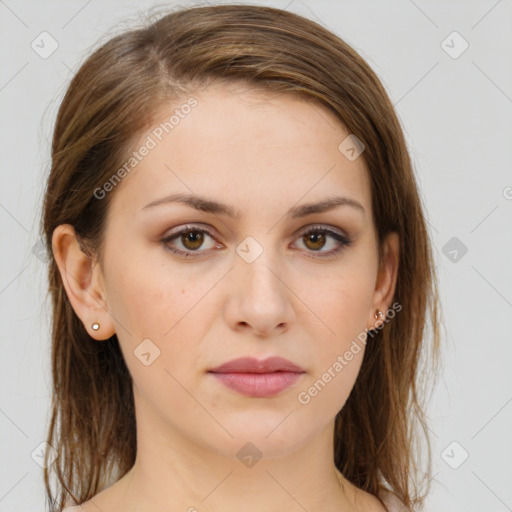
{"points": [[259, 264], [262, 296]]}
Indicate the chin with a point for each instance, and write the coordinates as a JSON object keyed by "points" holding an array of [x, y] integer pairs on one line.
{"points": [[260, 435]]}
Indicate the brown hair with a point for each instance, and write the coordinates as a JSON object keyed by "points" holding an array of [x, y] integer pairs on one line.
{"points": [[111, 101]]}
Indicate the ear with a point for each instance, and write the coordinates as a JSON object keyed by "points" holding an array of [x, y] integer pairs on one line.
{"points": [[83, 281], [386, 279]]}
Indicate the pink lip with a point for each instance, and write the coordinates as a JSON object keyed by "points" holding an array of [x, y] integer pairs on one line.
{"points": [[252, 365], [256, 378]]}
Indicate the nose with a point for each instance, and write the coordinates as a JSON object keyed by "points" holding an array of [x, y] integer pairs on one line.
{"points": [[259, 299]]}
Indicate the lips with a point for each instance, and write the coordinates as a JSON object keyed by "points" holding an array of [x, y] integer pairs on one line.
{"points": [[258, 379], [251, 365]]}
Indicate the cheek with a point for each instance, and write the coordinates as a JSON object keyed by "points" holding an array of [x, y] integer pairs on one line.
{"points": [[148, 296], [338, 355], [340, 293], [162, 304], [133, 299], [342, 305], [341, 309], [155, 324], [335, 372]]}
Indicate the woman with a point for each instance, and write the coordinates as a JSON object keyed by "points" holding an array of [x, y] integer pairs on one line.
{"points": [[241, 275]]}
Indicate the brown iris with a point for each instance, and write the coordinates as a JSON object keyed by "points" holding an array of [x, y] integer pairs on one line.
{"points": [[317, 240], [192, 239]]}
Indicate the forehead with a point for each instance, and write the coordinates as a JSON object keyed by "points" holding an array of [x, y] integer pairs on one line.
{"points": [[247, 146]]}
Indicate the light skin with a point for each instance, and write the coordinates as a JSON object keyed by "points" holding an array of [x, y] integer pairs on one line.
{"points": [[261, 154]]}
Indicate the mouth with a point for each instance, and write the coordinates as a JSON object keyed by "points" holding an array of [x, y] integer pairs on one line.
{"points": [[258, 379]]}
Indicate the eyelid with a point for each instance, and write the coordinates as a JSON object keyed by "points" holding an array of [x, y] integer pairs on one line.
{"points": [[321, 227], [188, 227], [204, 227]]}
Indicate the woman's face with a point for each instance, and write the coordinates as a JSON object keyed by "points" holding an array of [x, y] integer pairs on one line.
{"points": [[246, 279]]}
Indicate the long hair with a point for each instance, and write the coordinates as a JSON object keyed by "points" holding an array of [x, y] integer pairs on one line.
{"points": [[109, 103]]}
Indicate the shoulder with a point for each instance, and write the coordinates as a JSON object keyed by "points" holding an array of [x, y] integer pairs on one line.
{"points": [[86, 506], [393, 504], [384, 501], [104, 501]]}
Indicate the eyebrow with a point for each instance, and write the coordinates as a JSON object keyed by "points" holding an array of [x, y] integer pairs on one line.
{"points": [[205, 204]]}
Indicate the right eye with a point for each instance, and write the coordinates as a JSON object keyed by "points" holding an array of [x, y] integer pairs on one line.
{"points": [[191, 239]]}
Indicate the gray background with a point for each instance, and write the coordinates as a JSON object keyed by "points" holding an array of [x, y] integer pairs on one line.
{"points": [[456, 113]]}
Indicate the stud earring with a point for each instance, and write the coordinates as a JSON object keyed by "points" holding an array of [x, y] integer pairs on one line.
{"points": [[95, 326], [378, 315]]}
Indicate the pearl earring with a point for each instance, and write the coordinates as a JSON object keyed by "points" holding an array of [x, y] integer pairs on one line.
{"points": [[95, 326], [378, 315]]}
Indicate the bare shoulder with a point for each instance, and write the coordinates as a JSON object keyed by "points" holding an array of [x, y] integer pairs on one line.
{"points": [[366, 502], [371, 504], [109, 499], [392, 502], [102, 501], [84, 507]]}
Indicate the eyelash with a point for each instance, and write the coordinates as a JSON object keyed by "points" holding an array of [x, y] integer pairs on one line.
{"points": [[342, 239]]}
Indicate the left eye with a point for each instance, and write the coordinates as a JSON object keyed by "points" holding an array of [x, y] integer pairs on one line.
{"points": [[192, 238], [316, 239]]}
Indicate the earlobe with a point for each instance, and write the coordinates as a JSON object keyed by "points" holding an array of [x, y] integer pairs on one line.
{"points": [[81, 278]]}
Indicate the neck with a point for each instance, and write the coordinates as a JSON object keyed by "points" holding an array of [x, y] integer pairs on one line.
{"points": [[172, 472]]}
